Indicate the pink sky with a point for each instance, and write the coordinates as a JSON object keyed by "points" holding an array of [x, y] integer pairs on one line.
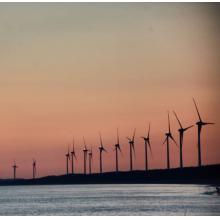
{"points": [[77, 69]]}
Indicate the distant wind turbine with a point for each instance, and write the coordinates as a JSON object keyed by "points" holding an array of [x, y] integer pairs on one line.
{"points": [[101, 149], [73, 155], [146, 144], [169, 136], [131, 144], [181, 133], [85, 151], [14, 169], [34, 168], [67, 161], [90, 161], [200, 123], [117, 147]]}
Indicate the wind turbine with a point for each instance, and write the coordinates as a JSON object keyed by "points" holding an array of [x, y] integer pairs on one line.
{"points": [[117, 147], [67, 161], [101, 149], [169, 136], [34, 168], [85, 151], [73, 155], [131, 143], [90, 161], [181, 133], [200, 123], [146, 144], [14, 169]]}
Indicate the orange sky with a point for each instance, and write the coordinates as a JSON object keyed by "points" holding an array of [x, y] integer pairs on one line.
{"points": [[77, 69]]}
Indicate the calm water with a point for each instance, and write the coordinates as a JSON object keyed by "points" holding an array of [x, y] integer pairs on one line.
{"points": [[138, 199]]}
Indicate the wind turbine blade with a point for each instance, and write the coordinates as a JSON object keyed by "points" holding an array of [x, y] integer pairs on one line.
{"points": [[120, 151], [74, 154], [133, 149], [148, 131], [188, 127], [169, 121], [100, 136], [173, 140], [128, 138], [150, 148], [165, 140], [208, 123], [197, 109], [177, 119], [133, 134], [148, 141], [117, 137]]}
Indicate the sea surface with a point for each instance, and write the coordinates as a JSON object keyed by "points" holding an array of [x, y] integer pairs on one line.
{"points": [[124, 199]]}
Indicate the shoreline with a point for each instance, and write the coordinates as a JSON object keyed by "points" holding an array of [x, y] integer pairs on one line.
{"points": [[209, 174]]}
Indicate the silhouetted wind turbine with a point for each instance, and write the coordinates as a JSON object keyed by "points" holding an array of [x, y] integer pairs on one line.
{"points": [[101, 149], [73, 155], [146, 144], [90, 161], [131, 143], [200, 123], [169, 136], [14, 170], [67, 161], [181, 133], [85, 151], [117, 147], [34, 168]]}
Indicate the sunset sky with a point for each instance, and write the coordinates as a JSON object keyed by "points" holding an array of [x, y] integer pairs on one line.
{"points": [[74, 69]]}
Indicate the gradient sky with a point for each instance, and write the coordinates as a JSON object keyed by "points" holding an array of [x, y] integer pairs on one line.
{"points": [[79, 68]]}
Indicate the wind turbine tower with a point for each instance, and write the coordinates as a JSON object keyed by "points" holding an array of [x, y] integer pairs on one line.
{"points": [[117, 147], [131, 144], [67, 162], [101, 149], [34, 168], [90, 161], [85, 151], [73, 155], [200, 124], [14, 169], [168, 137], [146, 145], [181, 133]]}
